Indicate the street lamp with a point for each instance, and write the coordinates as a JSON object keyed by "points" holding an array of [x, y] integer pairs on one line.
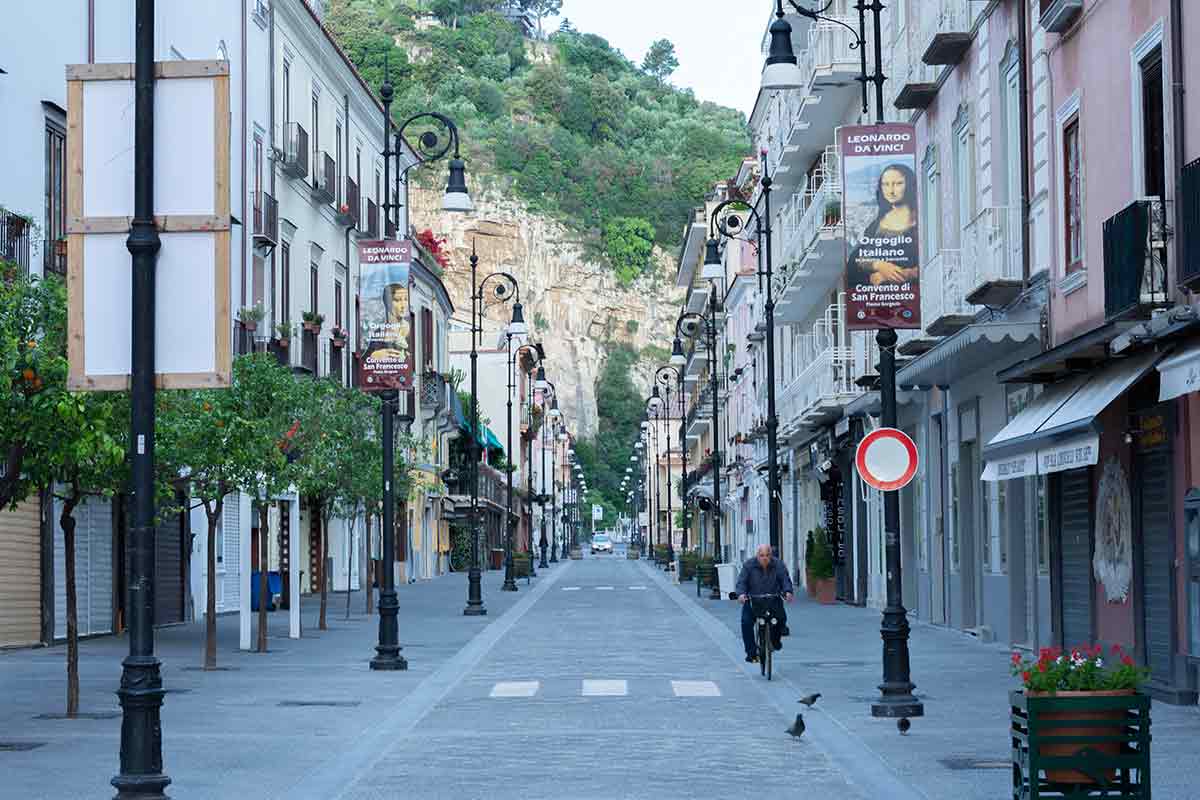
{"points": [[690, 325], [781, 70], [431, 146], [663, 376], [516, 329], [505, 287], [726, 221]]}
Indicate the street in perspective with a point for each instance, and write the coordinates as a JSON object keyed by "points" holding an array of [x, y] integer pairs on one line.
{"points": [[563, 398]]}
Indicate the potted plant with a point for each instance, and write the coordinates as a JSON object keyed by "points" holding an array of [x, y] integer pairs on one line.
{"points": [[1075, 691], [825, 587], [833, 212], [250, 316], [284, 332], [810, 585], [313, 321], [339, 336]]}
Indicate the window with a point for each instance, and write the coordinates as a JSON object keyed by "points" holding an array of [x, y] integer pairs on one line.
{"points": [[338, 163], [287, 93], [56, 205], [1072, 197], [337, 303], [271, 294], [315, 136], [954, 521], [258, 183], [1043, 523], [1012, 132], [933, 214], [314, 283], [1153, 126], [285, 284], [964, 170]]}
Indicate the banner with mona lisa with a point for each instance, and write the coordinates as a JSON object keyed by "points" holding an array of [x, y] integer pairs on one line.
{"points": [[883, 262], [386, 362]]}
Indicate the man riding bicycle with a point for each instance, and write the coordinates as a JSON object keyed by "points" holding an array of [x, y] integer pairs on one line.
{"points": [[763, 575]]}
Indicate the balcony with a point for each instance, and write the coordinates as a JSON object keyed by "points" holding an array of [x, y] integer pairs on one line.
{"points": [[337, 362], [991, 257], [917, 81], [266, 220], [1135, 260], [1189, 199], [834, 359], [54, 257], [1057, 15], [946, 31], [295, 151], [281, 352], [324, 178], [372, 221], [433, 394], [348, 211], [944, 309], [14, 241], [699, 416], [813, 242]]}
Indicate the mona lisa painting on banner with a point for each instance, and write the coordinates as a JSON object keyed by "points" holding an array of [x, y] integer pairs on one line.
{"points": [[386, 362], [883, 262]]}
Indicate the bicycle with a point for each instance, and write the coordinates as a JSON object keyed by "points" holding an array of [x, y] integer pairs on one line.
{"points": [[765, 609]]}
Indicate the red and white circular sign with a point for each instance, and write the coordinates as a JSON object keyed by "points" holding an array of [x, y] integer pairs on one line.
{"points": [[887, 459]]}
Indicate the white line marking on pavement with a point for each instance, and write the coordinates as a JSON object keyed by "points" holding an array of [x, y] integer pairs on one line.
{"points": [[570, 588], [637, 588], [605, 688], [604, 588], [515, 689], [695, 689]]}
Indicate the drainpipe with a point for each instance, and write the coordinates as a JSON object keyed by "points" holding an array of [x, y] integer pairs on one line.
{"points": [[271, 147], [244, 126], [1023, 92], [1177, 115], [350, 227]]}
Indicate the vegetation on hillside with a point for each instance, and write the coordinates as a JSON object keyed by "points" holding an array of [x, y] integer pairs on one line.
{"points": [[568, 124], [605, 456]]}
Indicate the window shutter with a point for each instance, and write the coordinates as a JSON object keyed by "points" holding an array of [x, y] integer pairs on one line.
{"points": [[427, 338]]}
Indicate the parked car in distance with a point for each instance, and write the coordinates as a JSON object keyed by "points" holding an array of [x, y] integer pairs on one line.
{"points": [[601, 543]]}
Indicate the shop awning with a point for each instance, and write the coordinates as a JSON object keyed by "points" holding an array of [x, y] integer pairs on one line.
{"points": [[1180, 373], [1057, 431], [487, 438], [975, 347]]}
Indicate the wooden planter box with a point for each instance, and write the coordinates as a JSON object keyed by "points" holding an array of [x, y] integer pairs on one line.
{"points": [[1081, 744], [633, 553], [520, 567]]}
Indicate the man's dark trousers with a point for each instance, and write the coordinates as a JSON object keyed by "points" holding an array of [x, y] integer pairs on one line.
{"points": [[748, 627]]}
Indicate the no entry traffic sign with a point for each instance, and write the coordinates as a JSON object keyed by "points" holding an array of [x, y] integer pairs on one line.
{"points": [[886, 459]]}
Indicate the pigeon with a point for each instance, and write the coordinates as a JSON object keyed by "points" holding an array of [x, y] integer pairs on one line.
{"points": [[810, 699], [797, 729], [903, 724]]}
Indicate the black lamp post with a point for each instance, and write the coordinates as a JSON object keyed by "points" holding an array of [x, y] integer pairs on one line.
{"points": [[505, 287], [667, 377], [726, 221], [141, 692], [896, 698], [432, 145], [516, 328], [690, 325]]}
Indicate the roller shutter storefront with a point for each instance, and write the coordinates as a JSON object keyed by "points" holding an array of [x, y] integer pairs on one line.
{"points": [[93, 569], [1075, 554], [20, 575]]}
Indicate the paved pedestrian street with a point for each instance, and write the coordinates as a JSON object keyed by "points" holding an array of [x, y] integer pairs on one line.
{"points": [[598, 679]]}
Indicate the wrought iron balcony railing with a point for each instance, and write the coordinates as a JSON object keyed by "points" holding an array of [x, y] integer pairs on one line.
{"points": [[295, 151]]}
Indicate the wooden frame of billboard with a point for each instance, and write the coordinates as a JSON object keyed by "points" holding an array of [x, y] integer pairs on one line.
{"points": [[219, 224]]}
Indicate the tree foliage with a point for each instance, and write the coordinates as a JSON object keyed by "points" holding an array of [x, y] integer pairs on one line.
{"points": [[586, 137], [660, 61], [629, 244]]}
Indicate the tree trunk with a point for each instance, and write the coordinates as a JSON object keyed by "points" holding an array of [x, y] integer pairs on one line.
{"points": [[370, 572], [323, 550], [67, 520], [263, 533], [210, 595]]}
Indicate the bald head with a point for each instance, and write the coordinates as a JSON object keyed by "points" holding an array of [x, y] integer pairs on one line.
{"points": [[763, 554]]}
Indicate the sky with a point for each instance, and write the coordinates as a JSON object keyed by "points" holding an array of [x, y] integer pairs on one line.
{"points": [[718, 42]]}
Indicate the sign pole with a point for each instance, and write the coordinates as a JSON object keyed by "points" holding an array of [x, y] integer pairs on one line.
{"points": [[141, 692]]}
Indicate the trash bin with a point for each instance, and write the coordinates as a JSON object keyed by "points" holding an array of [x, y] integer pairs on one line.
{"points": [[254, 579], [497, 558]]}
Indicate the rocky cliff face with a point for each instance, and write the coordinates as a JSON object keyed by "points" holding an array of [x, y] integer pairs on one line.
{"points": [[573, 303]]}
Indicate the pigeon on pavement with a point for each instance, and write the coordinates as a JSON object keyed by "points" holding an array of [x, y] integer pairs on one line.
{"points": [[810, 699], [797, 729], [903, 724]]}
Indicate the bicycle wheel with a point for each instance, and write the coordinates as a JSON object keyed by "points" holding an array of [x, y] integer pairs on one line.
{"points": [[770, 649]]}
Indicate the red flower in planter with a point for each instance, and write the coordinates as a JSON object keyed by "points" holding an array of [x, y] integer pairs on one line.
{"points": [[1126, 660], [1016, 658], [1042, 666], [1026, 675]]}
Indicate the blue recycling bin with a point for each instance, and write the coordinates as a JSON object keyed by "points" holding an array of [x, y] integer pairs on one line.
{"points": [[274, 587]]}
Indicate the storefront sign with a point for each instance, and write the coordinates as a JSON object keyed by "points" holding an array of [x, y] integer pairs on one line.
{"points": [[880, 212], [1180, 374], [1004, 469], [1069, 455], [387, 362]]}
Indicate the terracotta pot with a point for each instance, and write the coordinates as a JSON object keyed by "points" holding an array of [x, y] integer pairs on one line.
{"points": [[810, 583], [338, 341], [284, 343], [1070, 749], [250, 325], [312, 327], [826, 591]]}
